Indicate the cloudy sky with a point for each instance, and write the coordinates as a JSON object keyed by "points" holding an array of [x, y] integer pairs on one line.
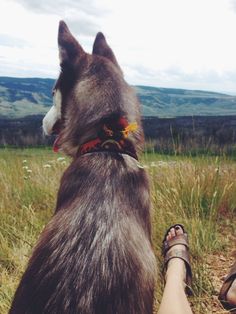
{"points": [[167, 43]]}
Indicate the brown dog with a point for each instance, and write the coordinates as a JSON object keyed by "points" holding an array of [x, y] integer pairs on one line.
{"points": [[95, 255]]}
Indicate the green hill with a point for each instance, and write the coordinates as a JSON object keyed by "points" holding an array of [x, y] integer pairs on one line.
{"points": [[24, 96], [20, 97], [170, 102]]}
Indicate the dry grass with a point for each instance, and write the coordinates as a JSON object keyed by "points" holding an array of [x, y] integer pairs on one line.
{"points": [[199, 192]]}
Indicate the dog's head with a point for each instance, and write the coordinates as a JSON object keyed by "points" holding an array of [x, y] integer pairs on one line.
{"points": [[89, 88]]}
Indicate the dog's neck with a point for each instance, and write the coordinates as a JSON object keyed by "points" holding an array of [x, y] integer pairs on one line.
{"points": [[96, 145], [113, 136]]}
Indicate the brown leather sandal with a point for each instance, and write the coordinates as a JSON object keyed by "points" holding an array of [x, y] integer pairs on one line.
{"points": [[182, 253], [225, 288]]}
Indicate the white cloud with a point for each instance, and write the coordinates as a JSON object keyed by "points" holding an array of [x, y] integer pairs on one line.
{"points": [[62, 6], [233, 4], [184, 43], [81, 14]]}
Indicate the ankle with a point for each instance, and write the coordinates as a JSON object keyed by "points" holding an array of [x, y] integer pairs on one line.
{"points": [[176, 268]]}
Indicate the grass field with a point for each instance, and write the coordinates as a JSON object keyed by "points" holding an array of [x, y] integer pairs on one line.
{"points": [[199, 192]]}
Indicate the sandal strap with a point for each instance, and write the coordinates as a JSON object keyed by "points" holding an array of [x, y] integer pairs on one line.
{"points": [[232, 273], [225, 288], [179, 239], [182, 253]]}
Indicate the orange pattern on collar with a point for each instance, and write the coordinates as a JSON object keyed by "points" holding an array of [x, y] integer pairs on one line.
{"points": [[112, 138]]}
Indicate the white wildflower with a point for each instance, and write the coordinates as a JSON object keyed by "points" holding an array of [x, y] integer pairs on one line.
{"points": [[51, 161], [60, 158], [47, 166], [24, 161], [161, 163], [25, 167], [153, 164], [29, 170]]}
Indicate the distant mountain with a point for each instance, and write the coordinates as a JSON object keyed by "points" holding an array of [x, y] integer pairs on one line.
{"points": [[171, 102], [24, 96], [20, 97]]}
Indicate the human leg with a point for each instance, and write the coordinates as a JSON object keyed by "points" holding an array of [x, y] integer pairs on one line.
{"points": [[174, 300]]}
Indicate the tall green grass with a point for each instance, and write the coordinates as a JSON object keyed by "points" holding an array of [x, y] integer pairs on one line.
{"points": [[199, 192]]}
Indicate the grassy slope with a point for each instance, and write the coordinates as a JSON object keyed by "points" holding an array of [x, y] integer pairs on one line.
{"points": [[24, 96], [27, 96], [171, 102], [199, 192]]}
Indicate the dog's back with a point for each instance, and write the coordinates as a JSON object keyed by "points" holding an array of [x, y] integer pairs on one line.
{"points": [[95, 255]]}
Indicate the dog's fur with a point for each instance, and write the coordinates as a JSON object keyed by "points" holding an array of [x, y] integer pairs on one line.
{"points": [[95, 255]]}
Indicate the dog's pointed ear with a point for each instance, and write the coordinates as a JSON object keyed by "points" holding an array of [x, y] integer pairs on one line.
{"points": [[101, 48], [69, 48]]}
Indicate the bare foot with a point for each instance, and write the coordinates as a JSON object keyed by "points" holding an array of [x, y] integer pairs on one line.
{"points": [[176, 266]]}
